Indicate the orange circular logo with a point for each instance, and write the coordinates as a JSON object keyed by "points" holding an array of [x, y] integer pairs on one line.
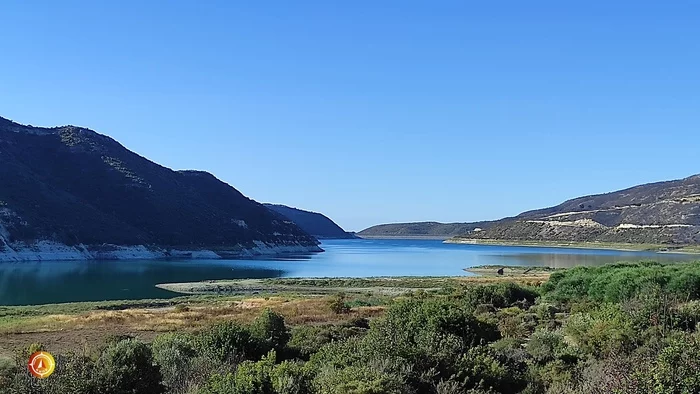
{"points": [[41, 364]]}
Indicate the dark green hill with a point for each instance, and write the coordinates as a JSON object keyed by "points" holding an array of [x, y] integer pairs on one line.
{"points": [[73, 186], [316, 224]]}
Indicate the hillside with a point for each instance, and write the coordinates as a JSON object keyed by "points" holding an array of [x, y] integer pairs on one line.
{"points": [[421, 229], [71, 193], [656, 213], [316, 224]]}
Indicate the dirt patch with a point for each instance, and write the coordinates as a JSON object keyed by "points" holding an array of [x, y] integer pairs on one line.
{"points": [[65, 341]]}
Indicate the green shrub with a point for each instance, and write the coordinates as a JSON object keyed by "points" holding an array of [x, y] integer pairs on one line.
{"points": [[499, 295], [677, 367], [688, 315], [292, 378], [619, 282], [604, 331], [269, 331], [228, 342], [76, 374], [374, 377], [175, 353], [127, 367], [483, 368], [250, 378], [545, 346], [307, 340]]}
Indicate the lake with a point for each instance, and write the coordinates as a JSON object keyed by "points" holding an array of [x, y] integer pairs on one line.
{"points": [[67, 281]]}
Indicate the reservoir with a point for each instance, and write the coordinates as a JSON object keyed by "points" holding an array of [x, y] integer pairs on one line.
{"points": [[69, 281]]}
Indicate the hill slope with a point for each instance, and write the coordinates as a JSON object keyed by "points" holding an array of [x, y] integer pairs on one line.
{"points": [[316, 224], [655, 213], [421, 229], [69, 192]]}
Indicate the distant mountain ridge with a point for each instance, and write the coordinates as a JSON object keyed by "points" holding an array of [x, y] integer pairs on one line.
{"points": [[71, 193], [314, 223], [421, 229], [657, 213]]}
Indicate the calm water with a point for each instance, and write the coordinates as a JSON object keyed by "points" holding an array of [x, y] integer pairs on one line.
{"points": [[51, 282]]}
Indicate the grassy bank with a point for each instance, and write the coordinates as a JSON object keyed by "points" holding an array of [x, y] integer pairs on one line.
{"points": [[688, 249], [619, 328], [389, 286], [302, 301]]}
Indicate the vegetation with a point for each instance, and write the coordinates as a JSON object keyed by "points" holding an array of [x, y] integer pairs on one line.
{"points": [[637, 246], [653, 216], [75, 186], [623, 328], [313, 223]]}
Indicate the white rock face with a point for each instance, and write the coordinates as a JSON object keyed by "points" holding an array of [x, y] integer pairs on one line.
{"points": [[43, 250], [53, 251], [263, 248]]}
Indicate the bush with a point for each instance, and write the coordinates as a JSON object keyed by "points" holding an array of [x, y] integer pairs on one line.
{"points": [[292, 378], [177, 357], [228, 342], [604, 331], [545, 346], [249, 378], [338, 304], [677, 367], [374, 377], [619, 282], [688, 315], [269, 331], [483, 368], [500, 295], [307, 340], [127, 367]]}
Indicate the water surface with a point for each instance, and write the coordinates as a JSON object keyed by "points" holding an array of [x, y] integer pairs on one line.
{"points": [[68, 281]]}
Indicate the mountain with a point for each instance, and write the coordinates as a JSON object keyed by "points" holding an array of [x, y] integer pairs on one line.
{"points": [[655, 213], [316, 224], [421, 229], [71, 193]]}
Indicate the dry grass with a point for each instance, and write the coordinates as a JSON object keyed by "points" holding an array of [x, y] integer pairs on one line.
{"points": [[70, 326], [528, 280], [146, 323]]}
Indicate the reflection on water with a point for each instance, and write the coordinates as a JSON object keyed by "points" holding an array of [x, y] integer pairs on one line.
{"points": [[49, 282], [70, 281]]}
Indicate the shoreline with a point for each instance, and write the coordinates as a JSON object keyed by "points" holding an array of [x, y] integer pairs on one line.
{"points": [[424, 237], [53, 251], [622, 247]]}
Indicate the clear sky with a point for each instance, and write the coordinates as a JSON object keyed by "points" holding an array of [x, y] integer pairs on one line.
{"points": [[373, 111]]}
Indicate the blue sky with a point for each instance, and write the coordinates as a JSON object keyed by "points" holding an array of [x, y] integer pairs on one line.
{"points": [[373, 111]]}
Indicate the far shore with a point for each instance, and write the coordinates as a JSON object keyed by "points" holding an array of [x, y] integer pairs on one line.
{"points": [[430, 237], [623, 247]]}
